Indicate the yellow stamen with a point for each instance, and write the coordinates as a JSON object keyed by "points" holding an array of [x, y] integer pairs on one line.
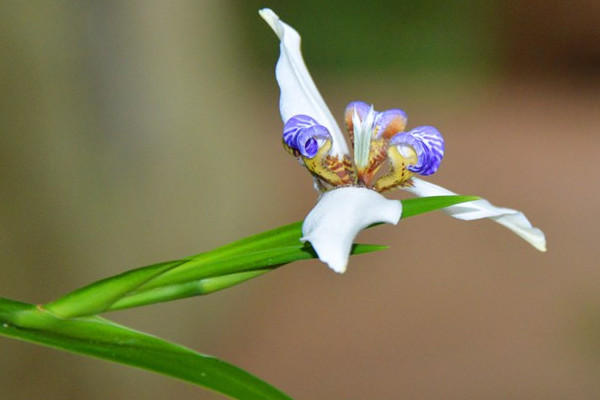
{"points": [[399, 174], [331, 169]]}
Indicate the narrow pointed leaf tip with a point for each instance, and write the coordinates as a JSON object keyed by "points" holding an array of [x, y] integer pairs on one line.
{"points": [[421, 205], [339, 216]]}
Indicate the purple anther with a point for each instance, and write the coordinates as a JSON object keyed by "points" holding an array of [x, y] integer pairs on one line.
{"points": [[303, 133], [428, 143]]}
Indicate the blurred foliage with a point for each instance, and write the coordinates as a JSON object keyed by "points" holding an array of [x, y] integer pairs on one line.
{"points": [[410, 37]]}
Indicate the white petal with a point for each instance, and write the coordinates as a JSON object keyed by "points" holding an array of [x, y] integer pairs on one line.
{"points": [[338, 217], [299, 95], [512, 219]]}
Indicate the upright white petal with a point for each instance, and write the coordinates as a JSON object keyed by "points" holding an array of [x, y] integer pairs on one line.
{"points": [[299, 95], [338, 217], [363, 133], [512, 219]]}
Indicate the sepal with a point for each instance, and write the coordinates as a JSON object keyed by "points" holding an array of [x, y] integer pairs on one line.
{"points": [[339, 216]]}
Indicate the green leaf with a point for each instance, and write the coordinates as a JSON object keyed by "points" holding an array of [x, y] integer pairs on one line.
{"points": [[54, 325], [101, 338], [98, 296], [420, 205], [192, 276], [200, 279], [215, 270]]}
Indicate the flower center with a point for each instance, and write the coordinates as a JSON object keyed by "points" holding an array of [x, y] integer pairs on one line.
{"points": [[376, 137]]}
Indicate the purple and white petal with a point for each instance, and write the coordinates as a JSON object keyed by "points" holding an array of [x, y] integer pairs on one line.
{"points": [[512, 219], [339, 216], [299, 95], [427, 142], [360, 107], [305, 134], [390, 122]]}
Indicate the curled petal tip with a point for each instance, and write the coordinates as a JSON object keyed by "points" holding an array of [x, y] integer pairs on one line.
{"points": [[339, 216], [428, 144], [520, 225], [305, 134], [273, 20]]}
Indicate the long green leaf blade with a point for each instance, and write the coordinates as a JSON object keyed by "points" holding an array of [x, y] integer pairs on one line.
{"points": [[190, 283], [100, 338], [214, 270], [201, 274], [97, 297]]}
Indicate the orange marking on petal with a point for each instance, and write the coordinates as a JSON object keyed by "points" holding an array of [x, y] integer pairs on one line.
{"points": [[396, 125]]}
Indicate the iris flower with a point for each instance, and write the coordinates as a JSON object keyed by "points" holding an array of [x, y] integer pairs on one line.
{"points": [[350, 188]]}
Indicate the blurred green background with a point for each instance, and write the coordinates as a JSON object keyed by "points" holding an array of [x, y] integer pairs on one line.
{"points": [[141, 131]]}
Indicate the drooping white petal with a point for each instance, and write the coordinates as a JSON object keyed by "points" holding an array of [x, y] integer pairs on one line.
{"points": [[338, 217], [299, 95], [512, 219]]}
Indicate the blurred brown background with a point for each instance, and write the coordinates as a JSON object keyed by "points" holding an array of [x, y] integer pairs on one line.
{"points": [[141, 131]]}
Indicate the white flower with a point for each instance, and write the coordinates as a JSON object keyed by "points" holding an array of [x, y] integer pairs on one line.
{"points": [[350, 193]]}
